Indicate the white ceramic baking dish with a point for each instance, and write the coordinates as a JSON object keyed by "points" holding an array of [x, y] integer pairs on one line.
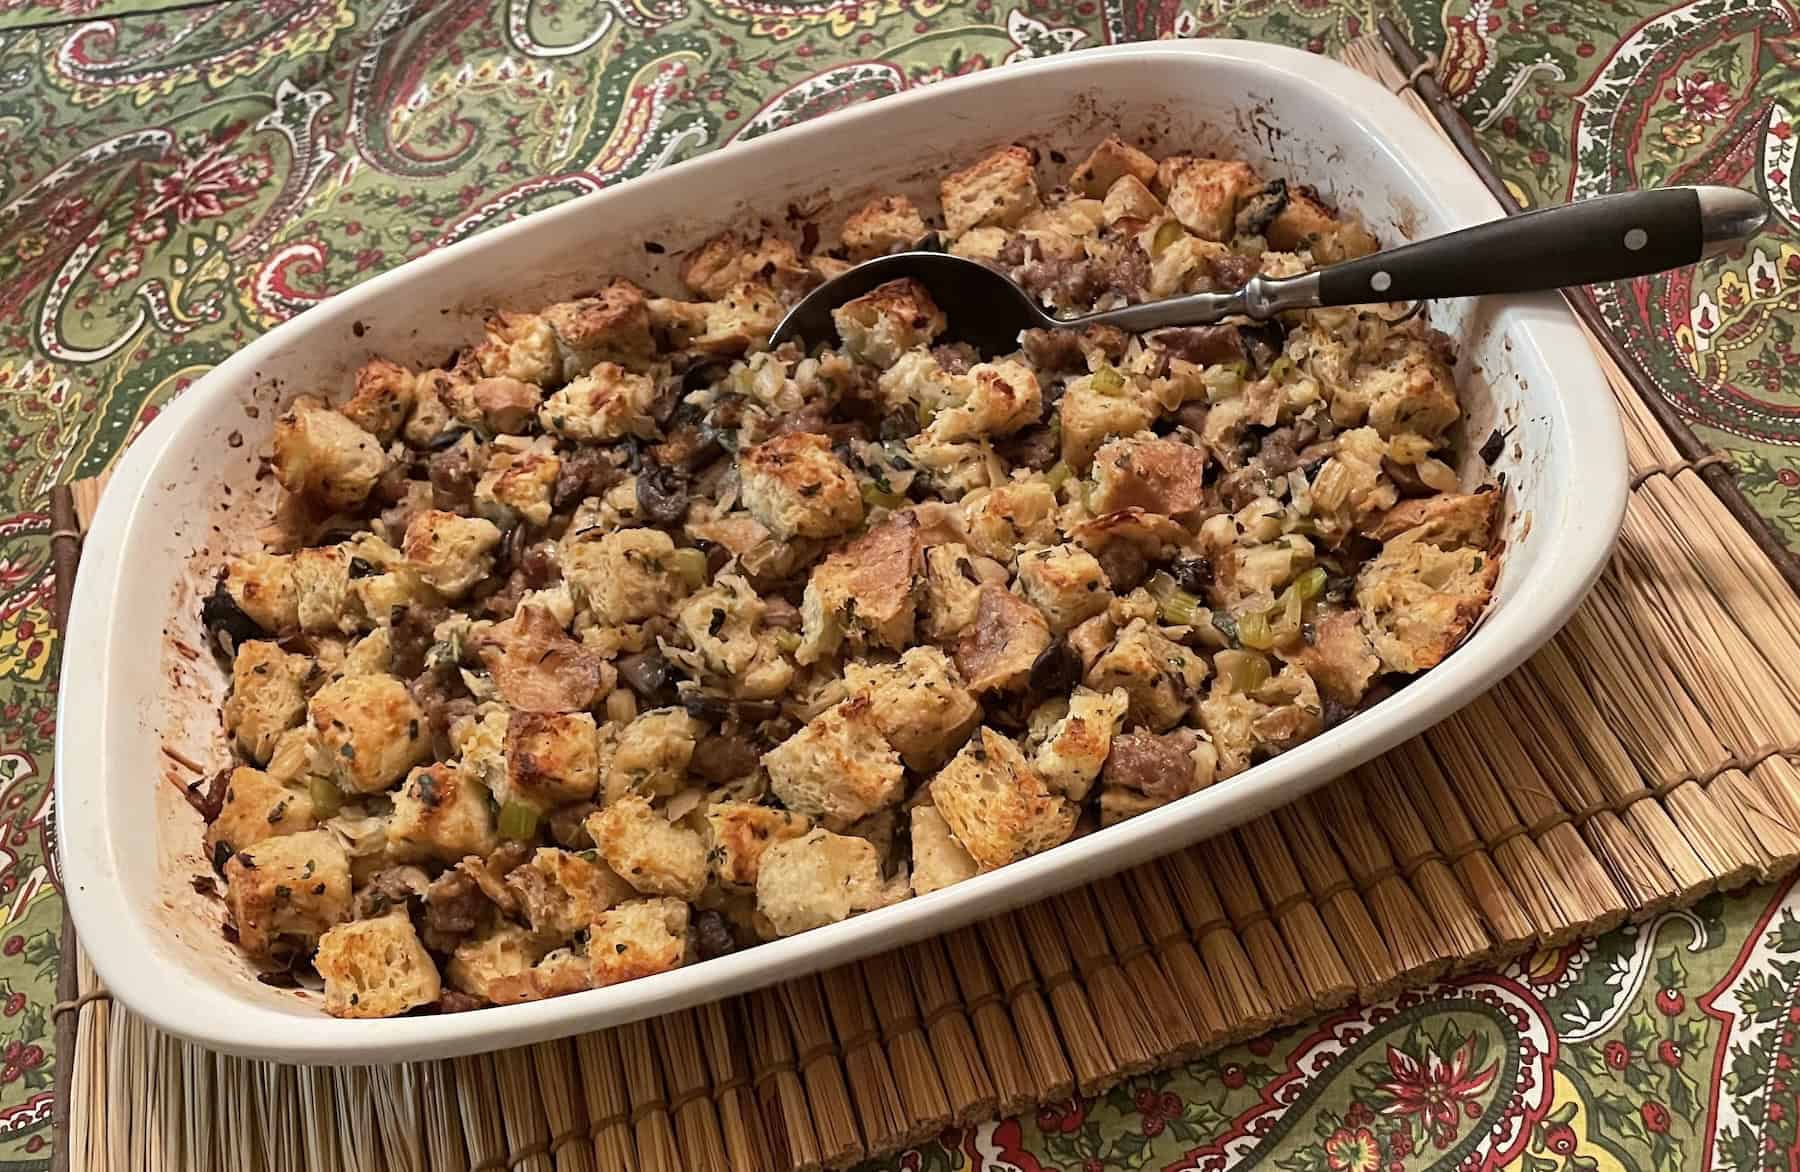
{"points": [[187, 491]]}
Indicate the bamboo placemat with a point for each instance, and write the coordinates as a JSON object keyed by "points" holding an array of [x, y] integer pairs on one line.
{"points": [[1641, 760]]}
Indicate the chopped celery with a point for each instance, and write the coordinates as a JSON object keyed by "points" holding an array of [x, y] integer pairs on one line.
{"points": [[1167, 234], [691, 565], [326, 797], [518, 821], [1245, 671], [874, 497], [1310, 586], [1253, 631], [1057, 476], [1107, 380]]}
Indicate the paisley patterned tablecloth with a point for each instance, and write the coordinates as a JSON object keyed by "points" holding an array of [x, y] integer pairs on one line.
{"points": [[177, 177]]}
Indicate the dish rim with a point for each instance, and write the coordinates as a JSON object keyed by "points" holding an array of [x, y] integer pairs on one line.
{"points": [[154, 983]]}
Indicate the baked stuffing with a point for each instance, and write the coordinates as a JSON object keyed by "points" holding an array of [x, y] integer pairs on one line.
{"points": [[621, 642]]}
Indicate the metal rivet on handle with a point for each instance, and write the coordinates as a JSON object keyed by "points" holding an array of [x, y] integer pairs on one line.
{"points": [[1381, 281], [1636, 239]]}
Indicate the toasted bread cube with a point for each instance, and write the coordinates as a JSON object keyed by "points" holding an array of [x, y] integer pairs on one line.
{"points": [[919, 703], [535, 666], [1418, 600], [626, 576], [839, 767], [611, 326], [728, 260], [517, 484], [1065, 582], [503, 405], [1109, 163], [376, 968], [954, 576], [817, 879], [981, 243], [496, 966], [1001, 398], [322, 588], [1129, 199], [1305, 223], [741, 320], [384, 396], [997, 650], [443, 814], [889, 223], [938, 860], [998, 809], [1204, 193], [649, 756], [1278, 715], [1076, 747], [268, 696], [325, 458], [741, 832], [723, 622], [1340, 658], [430, 416], [999, 190], [370, 729], [605, 404], [646, 850], [889, 320], [262, 585], [1000, 520], [1412, 393], [1157, 475], [1091, 416], [864, 591], [1161, 677], [561, 893], [449, 552], [288, 890], [1447, 519], [551, 758], [521, 347], [638, 939], [257, 806], [797, 487]]}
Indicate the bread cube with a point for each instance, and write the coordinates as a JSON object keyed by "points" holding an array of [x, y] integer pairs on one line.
{"points": [[797, 487], [287, 891], [1065, 582], [954, 576], [741, 320], [1278, 715], [496, 966], [322, 589], [1157, 475], [981, 243], [611, 326], [1160, 677], [996, 651], [919, 703], [625, 576], [1090, 416], [1000, 520], [605, 404], [442, 814], [646, 850], [998, 809], [1076, 746], [1204, 193], [886, 224], [1447, 519], [638, 939], [325, 458], [521, 347], [384, 396], [741, 832], [728, 260], [649, 756], [1000, 398], [864, 591], [449, 552], [257, 806], [938, 860], [919, 384], [517, 485], [1129, 199], [998, 191], [376, 968], [1340, 658], [1109, 163], [839, 767], [268, 696], [817, 879], [723, 622], [1305, 223], [889, 320], [1418, 600], [370, 729], [561, 893], [551, 758], [262, 585], [537, 667]]}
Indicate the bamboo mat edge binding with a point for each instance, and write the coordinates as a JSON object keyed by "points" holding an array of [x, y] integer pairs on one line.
{"points": [[1656, 764]]}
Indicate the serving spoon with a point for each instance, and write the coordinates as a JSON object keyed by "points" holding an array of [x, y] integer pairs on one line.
{"points": [[1609, 238]]}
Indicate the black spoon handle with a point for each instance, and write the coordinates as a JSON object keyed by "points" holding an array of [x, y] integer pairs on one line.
{"points": [[1606, 239]]}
